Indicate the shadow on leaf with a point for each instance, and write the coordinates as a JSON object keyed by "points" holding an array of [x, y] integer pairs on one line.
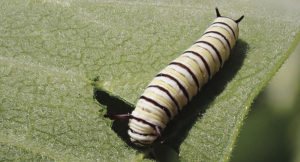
{"points": [[178, 128], [115, 105]]}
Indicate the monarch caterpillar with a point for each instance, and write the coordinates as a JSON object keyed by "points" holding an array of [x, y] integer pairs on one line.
{"points": [[175, 86]]}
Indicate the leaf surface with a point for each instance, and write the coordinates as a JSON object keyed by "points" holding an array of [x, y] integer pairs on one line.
{"points": [[52, 51]]}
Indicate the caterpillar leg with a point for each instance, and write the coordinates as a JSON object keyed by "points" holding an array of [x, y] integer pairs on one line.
{"points": [[157, 129], [129, 116]]}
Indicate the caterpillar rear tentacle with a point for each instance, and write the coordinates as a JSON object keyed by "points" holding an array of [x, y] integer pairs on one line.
{"points": [[180, 81]]}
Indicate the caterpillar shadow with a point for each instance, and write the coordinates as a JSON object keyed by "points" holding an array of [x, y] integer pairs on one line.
{"points": [[176, 132], [178, 128]]}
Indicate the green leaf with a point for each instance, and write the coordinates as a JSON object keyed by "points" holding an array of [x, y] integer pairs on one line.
{"points": [[53, 53], [274, 118]]}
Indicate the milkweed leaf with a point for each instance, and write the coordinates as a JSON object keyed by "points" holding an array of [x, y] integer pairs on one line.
{"points": [[56, 56]]}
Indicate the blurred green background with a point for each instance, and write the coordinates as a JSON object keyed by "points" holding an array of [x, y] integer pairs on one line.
{"points": [[271, 131]]}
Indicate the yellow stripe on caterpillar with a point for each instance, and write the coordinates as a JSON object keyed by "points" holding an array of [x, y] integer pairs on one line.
{"points": [[169, 106], [176, 95], [191, 62], [191, 90]]}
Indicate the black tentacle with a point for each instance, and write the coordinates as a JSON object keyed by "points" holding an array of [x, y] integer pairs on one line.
{"points": [[218, 13], [240, 19], [118, 116]]}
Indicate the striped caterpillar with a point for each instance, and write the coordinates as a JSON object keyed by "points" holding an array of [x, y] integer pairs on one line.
{"points": [[179, 82]]}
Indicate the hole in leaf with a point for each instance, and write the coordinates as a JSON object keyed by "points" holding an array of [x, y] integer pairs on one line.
{"points": [[115, 105]]}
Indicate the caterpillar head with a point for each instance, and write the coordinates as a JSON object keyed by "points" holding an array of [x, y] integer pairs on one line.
{"points": [[141, 132]]}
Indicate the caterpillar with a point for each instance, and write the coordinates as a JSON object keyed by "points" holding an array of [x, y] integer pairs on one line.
{"points": [[175, 86]]}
